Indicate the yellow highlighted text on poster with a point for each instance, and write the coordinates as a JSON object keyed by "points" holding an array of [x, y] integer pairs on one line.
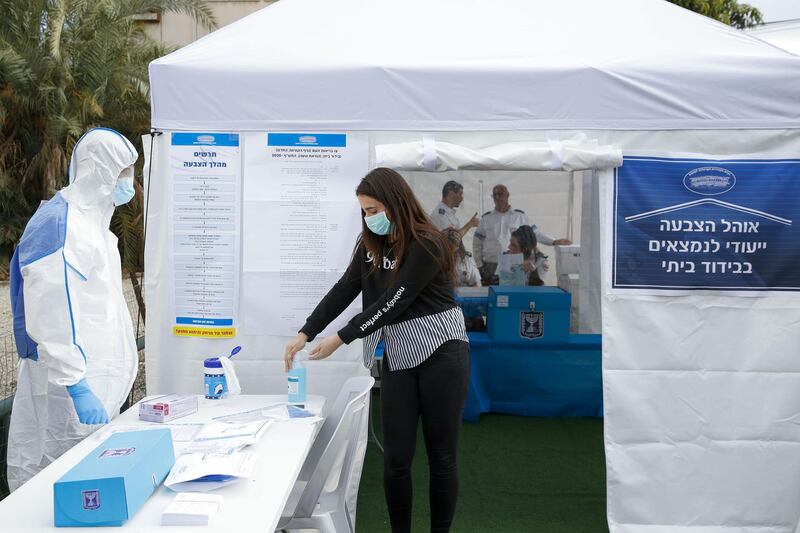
{"points": [[208, 333]]}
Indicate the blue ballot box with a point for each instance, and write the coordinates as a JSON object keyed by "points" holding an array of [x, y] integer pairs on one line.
{"points": [[111, 483], [528, 313], [472, 301]]}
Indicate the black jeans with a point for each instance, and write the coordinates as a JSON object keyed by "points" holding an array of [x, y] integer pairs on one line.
{"points": [[435, 391]]}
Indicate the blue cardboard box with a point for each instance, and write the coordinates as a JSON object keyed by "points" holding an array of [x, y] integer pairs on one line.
{"points": [[111, 483], [528, 313]]}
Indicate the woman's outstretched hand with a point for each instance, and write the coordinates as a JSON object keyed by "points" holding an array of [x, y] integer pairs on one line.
{"points": [[292, 348], [325, 348]]}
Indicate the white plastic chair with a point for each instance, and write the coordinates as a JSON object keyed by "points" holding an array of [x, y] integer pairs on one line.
{"points": [[308, 507]]}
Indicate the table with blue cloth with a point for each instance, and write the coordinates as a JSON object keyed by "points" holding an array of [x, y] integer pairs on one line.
{"points": [[534, 378]]}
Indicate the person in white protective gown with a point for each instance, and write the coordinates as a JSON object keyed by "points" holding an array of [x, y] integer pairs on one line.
{"points": [[73, 331]]}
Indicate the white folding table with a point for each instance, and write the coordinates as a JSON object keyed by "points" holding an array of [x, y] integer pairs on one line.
{"points": [[252, 505]]}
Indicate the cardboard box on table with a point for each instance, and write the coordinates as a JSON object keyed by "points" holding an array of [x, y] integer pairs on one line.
{"points": [[111, 483], [167, 407], [532, 313]]}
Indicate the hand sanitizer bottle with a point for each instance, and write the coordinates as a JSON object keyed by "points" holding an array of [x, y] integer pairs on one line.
{"points": [[297, 379]]}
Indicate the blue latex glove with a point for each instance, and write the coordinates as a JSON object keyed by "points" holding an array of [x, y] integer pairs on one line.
{"points": [[89, 408]]}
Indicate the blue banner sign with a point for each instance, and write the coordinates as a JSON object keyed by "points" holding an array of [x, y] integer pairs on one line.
{"points": [[691, 224], [196, 321], [205, 139], [326, 140]]}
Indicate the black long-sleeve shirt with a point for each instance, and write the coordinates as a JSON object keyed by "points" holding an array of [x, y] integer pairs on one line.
{"points": [[412, 308]]}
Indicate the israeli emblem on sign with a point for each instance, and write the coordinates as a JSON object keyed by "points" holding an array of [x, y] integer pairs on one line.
{"points": [[91, 499], [709, 181], [531, 324]]}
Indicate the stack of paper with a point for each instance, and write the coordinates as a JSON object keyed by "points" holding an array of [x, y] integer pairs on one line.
{"points": [[191, 509]]}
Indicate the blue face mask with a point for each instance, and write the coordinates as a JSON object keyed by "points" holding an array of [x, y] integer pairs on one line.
{"points": [[379, 224], [123, 192]]}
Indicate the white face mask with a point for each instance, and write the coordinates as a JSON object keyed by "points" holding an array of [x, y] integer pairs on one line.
{"points": [[379, 224], [124, 190]]}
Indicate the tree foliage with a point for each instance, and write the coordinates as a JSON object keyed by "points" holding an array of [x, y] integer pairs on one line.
{"points": [[67, 66], [730, 12]]}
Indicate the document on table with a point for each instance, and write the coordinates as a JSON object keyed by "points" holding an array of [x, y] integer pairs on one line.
{"points": [[202, 472], [191, 509], [226, 438], [180, 432], [277, 412], [249, 431]]}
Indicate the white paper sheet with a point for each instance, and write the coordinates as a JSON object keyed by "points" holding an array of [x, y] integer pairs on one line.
{"points": [[510, 271], [205, 170], [301, 188], [249, 431], [279, 413], [222, 447]]}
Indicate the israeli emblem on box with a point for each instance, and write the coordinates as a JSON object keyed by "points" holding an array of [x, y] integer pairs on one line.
{"points": [[531, 324], [91, 499], [117, 452]]}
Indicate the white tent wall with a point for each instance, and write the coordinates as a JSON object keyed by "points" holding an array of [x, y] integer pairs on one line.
{"points": [[701, 392]]}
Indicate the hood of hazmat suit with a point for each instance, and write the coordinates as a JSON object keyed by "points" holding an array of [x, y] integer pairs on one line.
{"points": [[72, 326]]}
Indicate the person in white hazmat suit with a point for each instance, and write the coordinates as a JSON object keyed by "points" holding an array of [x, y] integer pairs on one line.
{"points": [[73, 330]]}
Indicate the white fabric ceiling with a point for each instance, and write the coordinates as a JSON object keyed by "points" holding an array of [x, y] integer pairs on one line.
{"points": [[476, 65]]}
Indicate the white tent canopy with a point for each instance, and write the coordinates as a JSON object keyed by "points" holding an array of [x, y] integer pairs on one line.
{"points": [[700, 421], [469, 65], [784, 34]]}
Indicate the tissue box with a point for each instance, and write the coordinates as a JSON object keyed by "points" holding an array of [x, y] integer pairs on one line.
{"points": [[167, 408], [568, 260], [111, 483]]}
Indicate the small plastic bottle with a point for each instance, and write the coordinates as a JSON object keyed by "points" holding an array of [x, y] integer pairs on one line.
{"points": [[297, 379]]}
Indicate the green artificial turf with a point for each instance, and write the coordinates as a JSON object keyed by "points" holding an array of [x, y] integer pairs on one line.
{"points": [[517, 474]]}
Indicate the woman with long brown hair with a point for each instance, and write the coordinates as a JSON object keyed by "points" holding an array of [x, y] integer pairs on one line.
{"points": [[523, 241], [403, 267]]}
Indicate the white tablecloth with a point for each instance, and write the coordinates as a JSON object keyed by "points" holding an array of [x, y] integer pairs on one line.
{"points": [[249, 506]]}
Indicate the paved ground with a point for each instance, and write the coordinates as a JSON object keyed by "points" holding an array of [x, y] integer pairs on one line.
{"points": [[8, 355]]}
